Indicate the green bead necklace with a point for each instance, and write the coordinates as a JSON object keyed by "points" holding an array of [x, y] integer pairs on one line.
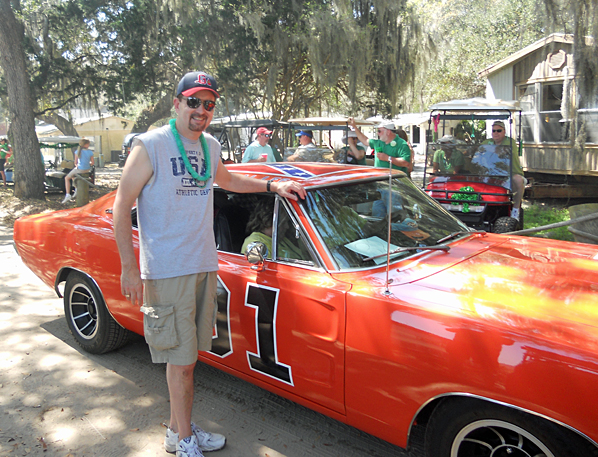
{"points": [[206, 153]]}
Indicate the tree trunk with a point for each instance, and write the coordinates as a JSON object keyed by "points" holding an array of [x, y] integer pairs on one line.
{"points": [[153, 114], [61, 123], [29, 168]]}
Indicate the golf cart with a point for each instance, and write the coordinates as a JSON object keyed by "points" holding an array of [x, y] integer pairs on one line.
{"points": [[324, 153], [235, 135], [470, 179], [58, 168]]}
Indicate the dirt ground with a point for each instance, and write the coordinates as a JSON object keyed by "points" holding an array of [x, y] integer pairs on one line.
{"points": [[11, 208]]}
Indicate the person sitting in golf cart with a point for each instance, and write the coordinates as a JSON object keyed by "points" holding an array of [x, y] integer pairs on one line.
{"points": [[499, 137], [447, 160], [353, 153]]}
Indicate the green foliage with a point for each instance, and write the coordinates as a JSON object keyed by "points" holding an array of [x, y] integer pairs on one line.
{"points": [[470, 36], [538, 215]]}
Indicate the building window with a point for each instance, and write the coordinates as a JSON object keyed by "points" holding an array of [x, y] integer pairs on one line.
{"points": [[545, 113]]}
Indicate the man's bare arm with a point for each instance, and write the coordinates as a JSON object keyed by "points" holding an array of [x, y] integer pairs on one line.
{"points": [[360, 135], [138, 170], [357, 153], [245, 184]]}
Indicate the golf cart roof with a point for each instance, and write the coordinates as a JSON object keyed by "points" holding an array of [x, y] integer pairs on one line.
{"points": [[61, 139], [477, 105], [326, 123], [246, 123]]}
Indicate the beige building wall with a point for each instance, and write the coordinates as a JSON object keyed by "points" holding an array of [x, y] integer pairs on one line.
{"points": [[107, 134]]}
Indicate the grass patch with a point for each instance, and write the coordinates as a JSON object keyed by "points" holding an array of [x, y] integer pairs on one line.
{"points": [[539, 215]]}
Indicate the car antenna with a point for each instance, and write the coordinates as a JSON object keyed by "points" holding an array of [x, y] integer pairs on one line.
{"points": [[389, 216]]}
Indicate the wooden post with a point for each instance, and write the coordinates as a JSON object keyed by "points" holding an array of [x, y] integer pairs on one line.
{"points": [[82, 185]]}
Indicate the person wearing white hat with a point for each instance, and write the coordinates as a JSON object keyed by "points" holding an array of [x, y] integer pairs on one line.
{"points": [[499, 137], [391, 150], [354, 154]]}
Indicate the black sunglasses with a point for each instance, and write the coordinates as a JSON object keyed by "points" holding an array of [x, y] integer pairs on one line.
{"points": [[267, 135], [193, 103], [497, 130]]}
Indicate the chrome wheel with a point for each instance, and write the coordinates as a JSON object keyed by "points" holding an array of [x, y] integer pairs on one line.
{"points": [[495, 438], [87, 316], [83, 311], [469, 427]]}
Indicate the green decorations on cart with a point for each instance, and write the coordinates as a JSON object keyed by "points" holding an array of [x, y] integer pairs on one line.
{"points": [[459, 196]]}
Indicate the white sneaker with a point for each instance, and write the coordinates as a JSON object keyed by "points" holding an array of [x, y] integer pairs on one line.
{"points": [[207, 441], [188, 447], [515, 213], [74, 193], [67, 198]]}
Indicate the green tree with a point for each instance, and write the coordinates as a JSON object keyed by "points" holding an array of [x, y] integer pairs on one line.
{"points": [[28, 166]]}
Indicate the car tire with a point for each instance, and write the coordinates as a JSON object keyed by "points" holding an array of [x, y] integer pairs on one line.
{"points": [[87, 317], [505, 225], [461, 427]]}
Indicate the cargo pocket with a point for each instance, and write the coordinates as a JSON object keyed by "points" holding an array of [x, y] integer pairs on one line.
{"points": [[158, 327]]}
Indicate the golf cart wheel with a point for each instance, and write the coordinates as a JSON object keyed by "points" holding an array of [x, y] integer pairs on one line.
{"points": [[88, 318], [462, 427], [506, 224]]}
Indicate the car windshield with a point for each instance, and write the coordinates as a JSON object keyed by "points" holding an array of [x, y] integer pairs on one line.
{"points": [[477, 163], [352, 220]]}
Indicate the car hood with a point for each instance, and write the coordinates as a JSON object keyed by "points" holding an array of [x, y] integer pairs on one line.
{"points": [[553, 279], [513, 277]]}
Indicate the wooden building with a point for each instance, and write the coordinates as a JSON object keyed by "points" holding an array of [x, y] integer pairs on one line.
{"points": [[541, 77]]}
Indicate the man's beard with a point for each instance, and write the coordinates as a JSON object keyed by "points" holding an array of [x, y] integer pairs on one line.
{"points": [[201, 123]]}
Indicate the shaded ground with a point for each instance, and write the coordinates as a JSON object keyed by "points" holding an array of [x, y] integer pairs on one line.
{"points": [[12, 208], [59, 401]]}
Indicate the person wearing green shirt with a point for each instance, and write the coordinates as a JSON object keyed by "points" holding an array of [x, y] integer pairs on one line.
{"points": [[500, 138], [353, 154], [5, 153], [448, 160], [390, 148]]}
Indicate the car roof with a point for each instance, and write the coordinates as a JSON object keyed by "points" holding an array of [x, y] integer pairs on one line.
{"points": [[311, 174]]}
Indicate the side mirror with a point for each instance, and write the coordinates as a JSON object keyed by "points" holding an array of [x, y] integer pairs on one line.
{"points": [[256, 253]]}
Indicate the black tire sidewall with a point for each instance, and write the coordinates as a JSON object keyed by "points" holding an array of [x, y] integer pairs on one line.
{"points": [[452, 415], [97, 344], [505, 224]]}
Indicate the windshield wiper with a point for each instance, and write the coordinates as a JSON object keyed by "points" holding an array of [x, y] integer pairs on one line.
{"points": [[442, 247], [456, 234]]}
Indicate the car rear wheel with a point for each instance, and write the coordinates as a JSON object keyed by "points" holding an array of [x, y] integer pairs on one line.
{"points": [[88, 318], [473, 428], [505, 224]]}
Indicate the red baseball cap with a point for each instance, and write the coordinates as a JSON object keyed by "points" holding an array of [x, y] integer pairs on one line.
{"points": [[263, 130], [194, 82]]}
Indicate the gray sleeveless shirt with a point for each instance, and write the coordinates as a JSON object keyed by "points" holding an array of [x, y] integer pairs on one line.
{"points": [[175, 214]]}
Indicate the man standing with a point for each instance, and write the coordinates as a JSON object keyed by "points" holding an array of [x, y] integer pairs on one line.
{"points": [[260, 150], [500, 138], [171, 171], [390, 148]]}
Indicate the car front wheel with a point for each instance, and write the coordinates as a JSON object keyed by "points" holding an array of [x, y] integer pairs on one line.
{"points": [[472, 428], [88, 318]]}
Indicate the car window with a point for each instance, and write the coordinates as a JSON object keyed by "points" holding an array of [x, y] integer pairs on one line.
{"points": [[352, 220], [290, 241]]}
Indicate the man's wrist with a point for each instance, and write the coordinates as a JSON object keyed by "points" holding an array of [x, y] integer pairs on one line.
{"points": [[269, 186]]}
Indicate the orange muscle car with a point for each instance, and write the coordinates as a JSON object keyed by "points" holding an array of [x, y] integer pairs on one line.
{"points": [[371, 304]]}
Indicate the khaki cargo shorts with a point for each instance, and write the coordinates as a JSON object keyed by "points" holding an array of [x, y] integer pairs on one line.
{"points": [[179, 316]]}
